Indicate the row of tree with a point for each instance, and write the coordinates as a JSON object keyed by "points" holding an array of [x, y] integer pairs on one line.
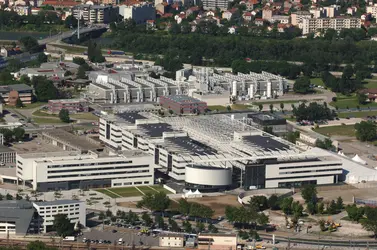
{"points": [[313, 112], [367, 216]]}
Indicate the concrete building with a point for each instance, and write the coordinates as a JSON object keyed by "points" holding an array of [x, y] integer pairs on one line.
{"points": [[72, 105], [96, 13], [262, 120], [140, 13], [171, 240], [10, 94], [332, 11], [72, 170], [267, 14], [18, 217], [213, 4], [181, 104], [297, 17], [280, 19], [313, 25], [180, 144], [372, 9], [75, 211], [217, 241], [7, 155]]}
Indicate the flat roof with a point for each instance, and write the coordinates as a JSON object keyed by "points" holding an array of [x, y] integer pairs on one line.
{"points": [[183, 98], [266, 143], [186, 144], [155, 129], [19, 211], [21, 87], [57, 202], [130, 117], [4, 149], [71, 139]]}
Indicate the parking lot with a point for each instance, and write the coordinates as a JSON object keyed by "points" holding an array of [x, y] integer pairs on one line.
{"points": [[128, 236]]}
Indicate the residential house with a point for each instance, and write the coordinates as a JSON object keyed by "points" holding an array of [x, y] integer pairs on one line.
{"points": [[258, 21], [280, 19], [192, 11], [180, 17], [266, 14], [247, 16], [232, 30], [352, 10], [162, 8], [230, 13], [370, 93]]}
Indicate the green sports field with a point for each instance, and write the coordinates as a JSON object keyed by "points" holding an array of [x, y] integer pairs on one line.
{"points": [[131, 191]]}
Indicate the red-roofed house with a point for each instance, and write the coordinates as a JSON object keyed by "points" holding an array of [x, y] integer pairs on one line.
{"points": [[247, 16], [230, 13], [258, 21], [60, 3]]}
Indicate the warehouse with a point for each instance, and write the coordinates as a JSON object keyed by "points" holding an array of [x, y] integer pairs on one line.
{"points": [[183, 104]]}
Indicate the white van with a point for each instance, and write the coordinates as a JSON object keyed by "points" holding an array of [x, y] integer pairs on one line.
{"points": [[120, 241]]}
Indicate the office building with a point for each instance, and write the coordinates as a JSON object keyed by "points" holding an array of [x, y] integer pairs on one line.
{"points": [[314, 25], [217, 241], [171, 240], [96, 13], [73, 170], [10, 94], [297, 17], [214, 4], [183, 104], [7, 155], [262, 120], [140, 13], [18, 217], [372, 9], [75, 211], [72, 105]]}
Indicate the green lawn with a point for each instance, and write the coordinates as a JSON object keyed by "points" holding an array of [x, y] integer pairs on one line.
{"points": [[41, 120], [104, 191], [131, 191], [349, 101], [343, 130], [29, 106], [85, 116], [40, 112], [370, 83], [359, 114], [240, 107], [217, 107], [317, 81]]}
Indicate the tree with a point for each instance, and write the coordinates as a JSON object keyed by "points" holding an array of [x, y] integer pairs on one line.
{"points": [[79, 60], [200, 227], [273, 202], [42, 58], [322, 225], [63, 225], [366, 131], [271, 108], [286, 205], [147, 219], [187, 227], [302, 85], [19, 133], [282, 107], [25, 79], [184, 206], [312, 112], [7, 133], [347, 72], [19, 103], [18, 197], [101, 215], [311, 208], [228, 108], [325, 144], [370, 222], [339, 203], [44, 89], [259, 201], [64, 115], [14, 65], [30, 44], [9, 197], [309, 194], [155, 201], [332, 209], [320, 207], [260, 106], [38, 245], [361, 98], [212, 228], [354, 213]]}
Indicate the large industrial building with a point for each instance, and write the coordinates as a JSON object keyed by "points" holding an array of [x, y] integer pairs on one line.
{"points": [[233, 153], [130, 85]]}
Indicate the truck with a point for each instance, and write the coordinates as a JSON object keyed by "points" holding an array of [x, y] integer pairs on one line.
{"points": [[119, 53], [69, 238]]}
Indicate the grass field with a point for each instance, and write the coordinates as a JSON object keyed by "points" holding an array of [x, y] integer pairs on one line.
{"points": [[39, 112], [41, 120], [131, 191], [343, 130], [85, 116], [317, 81], [234, 107], [349, 101], [370, 83], [29, 106], [217, 107], [360, 114]]}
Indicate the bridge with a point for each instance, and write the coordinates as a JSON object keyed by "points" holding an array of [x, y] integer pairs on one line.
{"points": [[68, 34]]}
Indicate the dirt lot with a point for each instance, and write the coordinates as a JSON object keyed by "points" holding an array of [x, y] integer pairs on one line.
{"points": [[218, 203]]}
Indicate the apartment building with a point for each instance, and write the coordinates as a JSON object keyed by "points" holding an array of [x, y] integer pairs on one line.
{"points": [[312, 25], [10, 94], [297, 17], [140, 12], [72, 105], [96, 13], [213, 4], [72, 170], [372, 10], [75, 211]]}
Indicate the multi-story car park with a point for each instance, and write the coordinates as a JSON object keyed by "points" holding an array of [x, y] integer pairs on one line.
{"points": [[72, 170], [75, 211], [257, 159]]}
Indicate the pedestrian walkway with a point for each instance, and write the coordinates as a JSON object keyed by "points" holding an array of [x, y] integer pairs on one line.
{"points": [[138, 189], [108, 190]]}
